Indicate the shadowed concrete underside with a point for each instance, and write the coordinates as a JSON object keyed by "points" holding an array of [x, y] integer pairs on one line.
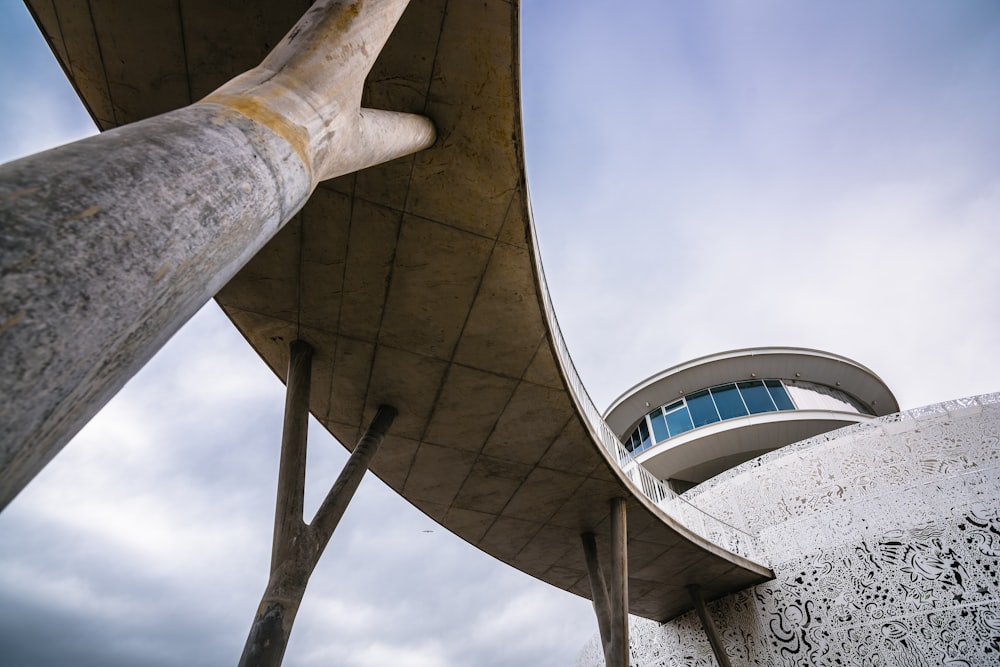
{"points": [[416, 282]]}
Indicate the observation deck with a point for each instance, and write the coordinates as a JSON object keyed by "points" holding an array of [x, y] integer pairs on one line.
{"points": [[703, 417], [418, 284]]}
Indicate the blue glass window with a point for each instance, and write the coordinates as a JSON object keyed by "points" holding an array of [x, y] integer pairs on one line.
{"points": [[727, 399], [756, 397], [633, 441], [678, 418], [644, 442], [702, 408], [780, 396], [660, 432]]}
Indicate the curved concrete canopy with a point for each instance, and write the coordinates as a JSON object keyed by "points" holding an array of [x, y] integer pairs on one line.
{"points": [[418, 284]]}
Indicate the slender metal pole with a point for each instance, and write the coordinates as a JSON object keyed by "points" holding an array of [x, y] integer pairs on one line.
{"points": [[619, 585], [708, 625], [598, 590]]}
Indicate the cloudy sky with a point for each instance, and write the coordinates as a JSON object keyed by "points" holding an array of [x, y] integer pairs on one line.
{"points": [[705, 176]]}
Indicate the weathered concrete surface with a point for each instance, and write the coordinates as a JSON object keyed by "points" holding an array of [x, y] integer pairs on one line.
{"points": [[94, 282], [308, 90], [618, 655], [417, 286], [598, 590], [111, 243]]}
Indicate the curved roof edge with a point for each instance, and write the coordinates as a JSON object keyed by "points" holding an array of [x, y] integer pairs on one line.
{"points": [[746, 364]]}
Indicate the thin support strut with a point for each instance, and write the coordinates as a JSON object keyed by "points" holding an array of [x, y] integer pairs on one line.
{"points": [[598, 588], [610, 595], [288, 521], [297, 546], [708, 625]]}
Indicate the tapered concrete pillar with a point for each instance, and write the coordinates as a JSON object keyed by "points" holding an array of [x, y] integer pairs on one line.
{"points": [[598, 590], [297, 546], [618, 583], [108, 245], [289, 522], [610, 595]]}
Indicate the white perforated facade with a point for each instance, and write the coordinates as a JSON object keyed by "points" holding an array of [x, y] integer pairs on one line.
{"points": [[884, 538]]}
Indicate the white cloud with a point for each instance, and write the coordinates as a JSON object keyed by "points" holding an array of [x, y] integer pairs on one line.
{"points": [[424, 654]]}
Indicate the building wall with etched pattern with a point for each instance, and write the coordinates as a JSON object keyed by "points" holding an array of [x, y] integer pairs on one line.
{"points": [[885, 541]]}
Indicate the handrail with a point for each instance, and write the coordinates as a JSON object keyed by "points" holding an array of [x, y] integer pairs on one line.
{"points": [[715, 530]]}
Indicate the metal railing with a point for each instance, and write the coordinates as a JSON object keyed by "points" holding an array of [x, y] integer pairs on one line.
{"points": [[715, 530]]}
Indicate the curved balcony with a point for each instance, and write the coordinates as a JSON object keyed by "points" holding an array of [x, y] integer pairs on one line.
{"points": [[713, 413]]}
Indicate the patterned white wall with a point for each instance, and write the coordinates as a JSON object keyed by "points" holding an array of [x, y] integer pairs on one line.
{"points": [[885, 541]]}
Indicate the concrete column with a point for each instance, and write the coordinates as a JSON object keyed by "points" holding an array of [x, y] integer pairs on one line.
{"points": [[108, 245], [298, 546], [618, 585], [293, 551], [598, 590], [610, 596], [708, 625], [288, 519]]}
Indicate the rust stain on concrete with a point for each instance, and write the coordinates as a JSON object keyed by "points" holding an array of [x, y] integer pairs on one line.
{"points": [[160, 272], [259, 111], [347, 16], [88, 212], [13, 320], [20, 193], [24, 263]]}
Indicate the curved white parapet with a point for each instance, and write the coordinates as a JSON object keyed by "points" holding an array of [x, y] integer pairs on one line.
{"points": [[885, 541], [716, 531]]}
